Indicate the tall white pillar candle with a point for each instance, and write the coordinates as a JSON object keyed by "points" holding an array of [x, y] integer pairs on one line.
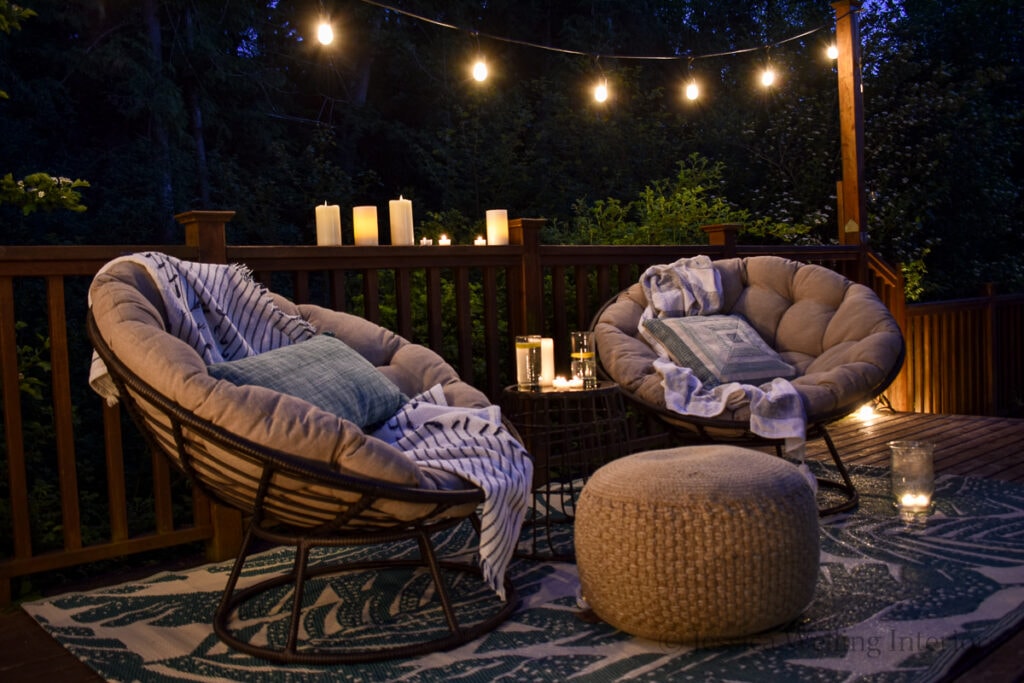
{"points": [[547, 361], [364, 225], [328, 224], [497, 226], [401, 221]]}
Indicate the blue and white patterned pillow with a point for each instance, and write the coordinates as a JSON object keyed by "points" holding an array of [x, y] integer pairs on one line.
{"points": [[719, 349], [324, 371]]}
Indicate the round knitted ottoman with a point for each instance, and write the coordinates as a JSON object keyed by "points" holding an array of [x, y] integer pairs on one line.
{"points": [[697, 544]]}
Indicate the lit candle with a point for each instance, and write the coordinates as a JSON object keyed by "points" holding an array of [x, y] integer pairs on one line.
{"points": [[364, 225], [562, 383], [479, 241], [497, 226], [401, 221], [426, 241], [547, 361], [444, 241], [915, 501], [328, 224]]}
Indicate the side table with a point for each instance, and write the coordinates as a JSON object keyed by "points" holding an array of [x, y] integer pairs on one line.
{"points": [[570, 433]]}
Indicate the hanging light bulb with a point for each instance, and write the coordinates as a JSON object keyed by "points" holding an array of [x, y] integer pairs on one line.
{"points": [[324, 32], [832, 52], [692, 90], [601, 91], [767, 77], [480, 70]]}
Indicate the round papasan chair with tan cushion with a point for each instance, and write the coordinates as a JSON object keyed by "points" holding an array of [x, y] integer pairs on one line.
{"points": [[842, 343], [301, 474]]}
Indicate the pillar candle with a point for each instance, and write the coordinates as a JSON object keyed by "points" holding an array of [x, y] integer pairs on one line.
{"points": [[328, 224], [401, 221], [547, 361], [497, 226], [364, 225]]}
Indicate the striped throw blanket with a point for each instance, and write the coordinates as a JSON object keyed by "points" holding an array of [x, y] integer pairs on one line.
{"points": [[473, 444], [219, 310]]}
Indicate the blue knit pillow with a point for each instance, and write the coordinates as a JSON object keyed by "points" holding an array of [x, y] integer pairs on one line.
{"points": [[719, 349], [324, 371]]}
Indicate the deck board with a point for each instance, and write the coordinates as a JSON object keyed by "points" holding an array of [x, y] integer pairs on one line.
{"points": [[965, 445]]}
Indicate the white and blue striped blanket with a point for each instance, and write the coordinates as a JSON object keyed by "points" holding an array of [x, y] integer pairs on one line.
{"points": [[473, 444]]}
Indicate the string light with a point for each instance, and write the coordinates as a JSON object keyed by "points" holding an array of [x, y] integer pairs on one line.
{"points": [[480, 70], [832, 52], [324, 32], [601, 92]]}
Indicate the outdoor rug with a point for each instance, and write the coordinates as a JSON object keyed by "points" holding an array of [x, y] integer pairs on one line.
{"points": [[894, 602]]}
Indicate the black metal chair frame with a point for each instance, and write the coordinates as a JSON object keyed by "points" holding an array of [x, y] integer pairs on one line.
{"points": [[691, 429], [353, 524]]}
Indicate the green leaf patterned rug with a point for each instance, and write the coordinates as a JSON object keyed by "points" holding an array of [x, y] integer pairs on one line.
{"points": [[893, 603]]}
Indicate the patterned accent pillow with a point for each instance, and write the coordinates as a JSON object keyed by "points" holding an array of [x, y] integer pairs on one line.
{"points": [[719, 349], [324, 371]]}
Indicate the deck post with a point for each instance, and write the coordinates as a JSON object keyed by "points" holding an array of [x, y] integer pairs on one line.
{"points": [[850, 204], [723, 235], [206, 230], [526, 285]]}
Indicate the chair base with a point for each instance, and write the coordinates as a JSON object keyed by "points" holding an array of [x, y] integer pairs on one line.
{"points": [[331, 649]]}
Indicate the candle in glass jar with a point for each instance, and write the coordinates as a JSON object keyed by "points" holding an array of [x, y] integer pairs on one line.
{"points": [[479, 241], [426, 241], [444, 241]]}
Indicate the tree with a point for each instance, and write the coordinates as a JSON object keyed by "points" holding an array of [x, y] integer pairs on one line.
{"points": [[36, 191]]}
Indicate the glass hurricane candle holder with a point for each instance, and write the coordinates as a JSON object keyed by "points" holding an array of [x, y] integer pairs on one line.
{"points": [[584, 358], [528, 362], [913, 476]]}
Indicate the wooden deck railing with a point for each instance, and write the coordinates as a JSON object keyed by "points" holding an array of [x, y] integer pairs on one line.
{"points": [[423, 293]]}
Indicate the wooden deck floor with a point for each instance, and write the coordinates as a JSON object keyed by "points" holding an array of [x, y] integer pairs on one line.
{"points": [[970, 446]]}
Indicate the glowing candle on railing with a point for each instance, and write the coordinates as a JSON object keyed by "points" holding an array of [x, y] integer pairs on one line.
{"points": [[328, 224], [497, 226], [479, 241], [444, 241], [364, 225], [401, 221]]}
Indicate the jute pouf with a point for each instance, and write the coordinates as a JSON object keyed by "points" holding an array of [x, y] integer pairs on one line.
{"points": [[697, 544]]}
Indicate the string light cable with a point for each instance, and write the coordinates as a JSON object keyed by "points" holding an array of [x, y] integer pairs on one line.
{"points": [[580, 53]]}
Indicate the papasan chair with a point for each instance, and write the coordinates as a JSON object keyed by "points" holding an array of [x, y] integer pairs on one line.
{"points": [[333, 457], [832, 340]]}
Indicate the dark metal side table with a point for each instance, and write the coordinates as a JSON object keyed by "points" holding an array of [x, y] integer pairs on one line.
{"points": [[569, 433]]}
